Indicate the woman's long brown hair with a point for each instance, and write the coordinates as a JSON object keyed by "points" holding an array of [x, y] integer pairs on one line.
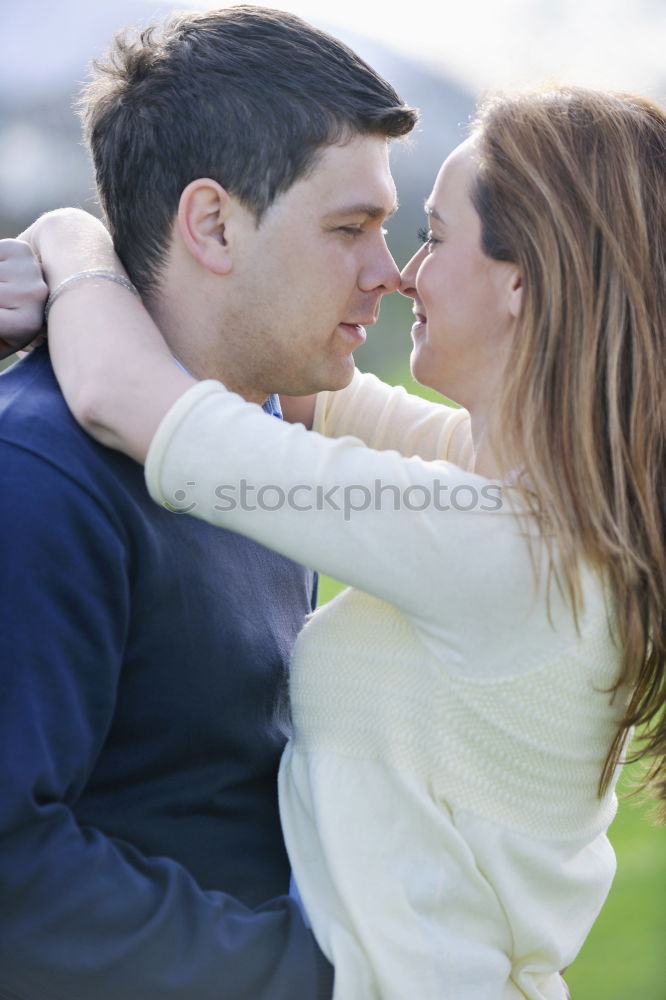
{"points": [[572, 187]]}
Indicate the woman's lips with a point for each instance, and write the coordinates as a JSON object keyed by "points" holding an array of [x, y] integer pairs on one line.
{"points": [[419, 324]]}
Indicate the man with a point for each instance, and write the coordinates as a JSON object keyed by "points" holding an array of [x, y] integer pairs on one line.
{"points": [[241, 161]]}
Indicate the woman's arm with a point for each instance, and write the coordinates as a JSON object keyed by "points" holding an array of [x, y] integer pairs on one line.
{"points": [[389, 418], [395, 527], [115, 370]]}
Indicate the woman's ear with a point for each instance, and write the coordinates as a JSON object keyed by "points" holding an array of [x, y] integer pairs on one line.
{"points": [[203, 212], [515, 292]]}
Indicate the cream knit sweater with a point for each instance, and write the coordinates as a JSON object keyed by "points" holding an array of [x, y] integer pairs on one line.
{"points": [[439, 795]]}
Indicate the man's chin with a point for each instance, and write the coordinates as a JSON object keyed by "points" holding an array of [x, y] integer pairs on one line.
{"points": [[330, 376], [341, 376], [330, 379]]}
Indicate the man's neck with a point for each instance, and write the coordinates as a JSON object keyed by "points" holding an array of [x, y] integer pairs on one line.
{"points": [[198, 347]]}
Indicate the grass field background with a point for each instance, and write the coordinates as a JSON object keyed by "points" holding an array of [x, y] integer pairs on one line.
{"points": [[624, 957]]}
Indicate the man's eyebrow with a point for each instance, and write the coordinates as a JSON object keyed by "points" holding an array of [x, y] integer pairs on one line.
{"points": [[364, 208]]}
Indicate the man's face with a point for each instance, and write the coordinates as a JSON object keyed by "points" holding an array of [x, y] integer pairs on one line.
{"points": [[305, 283]]}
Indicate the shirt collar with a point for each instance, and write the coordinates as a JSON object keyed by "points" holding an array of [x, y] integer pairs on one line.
{"points": [[272, 406]]}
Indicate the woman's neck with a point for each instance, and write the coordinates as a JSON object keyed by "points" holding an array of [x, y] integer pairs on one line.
{"points": [[484, 430]]}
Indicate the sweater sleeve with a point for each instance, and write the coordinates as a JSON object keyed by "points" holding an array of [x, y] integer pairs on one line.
{"points": [[390, 418], [83, 915], [389, 525]]}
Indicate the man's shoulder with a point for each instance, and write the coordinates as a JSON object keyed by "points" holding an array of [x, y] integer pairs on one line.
{"points": [[32, 408], [35, 422]]}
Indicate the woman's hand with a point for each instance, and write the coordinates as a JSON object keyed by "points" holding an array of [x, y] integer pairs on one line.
{"points": [[56, 245], [23, 294]]}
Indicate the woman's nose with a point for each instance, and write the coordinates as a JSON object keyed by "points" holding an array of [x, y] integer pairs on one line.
{"points": [[408, 274]]}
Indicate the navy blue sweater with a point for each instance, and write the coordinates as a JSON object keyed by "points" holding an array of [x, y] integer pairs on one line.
{"points": [[141, 657]]}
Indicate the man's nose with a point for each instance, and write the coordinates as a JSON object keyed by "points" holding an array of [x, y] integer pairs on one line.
{"points": [[381, 274]]}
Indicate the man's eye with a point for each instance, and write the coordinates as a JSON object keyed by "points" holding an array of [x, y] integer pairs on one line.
{"points": [[350, 230]]}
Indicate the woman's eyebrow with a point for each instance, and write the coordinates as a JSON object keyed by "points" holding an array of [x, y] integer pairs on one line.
{"points": [[431, 210]]}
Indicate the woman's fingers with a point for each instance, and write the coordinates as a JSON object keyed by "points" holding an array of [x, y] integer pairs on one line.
{"points": [[23, 294]]}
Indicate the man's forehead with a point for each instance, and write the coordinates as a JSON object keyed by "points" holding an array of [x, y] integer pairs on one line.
{"points": [[354, 175]]}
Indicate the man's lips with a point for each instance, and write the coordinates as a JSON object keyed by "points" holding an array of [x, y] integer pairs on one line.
{"points": [[356, 328], [370, 321], [355, 331]]}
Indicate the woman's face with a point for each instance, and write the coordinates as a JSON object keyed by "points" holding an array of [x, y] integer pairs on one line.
{"points": [[465, 302]]}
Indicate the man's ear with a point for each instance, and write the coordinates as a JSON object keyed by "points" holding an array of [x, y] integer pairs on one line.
{"points": [[203, 212], [515, 292]]}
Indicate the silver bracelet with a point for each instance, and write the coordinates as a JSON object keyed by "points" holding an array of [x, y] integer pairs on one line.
{"points": [[80, 276]]}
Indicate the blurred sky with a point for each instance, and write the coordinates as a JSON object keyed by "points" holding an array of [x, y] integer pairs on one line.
{"points": [[46, 47], [488, 43], [479, 43]]}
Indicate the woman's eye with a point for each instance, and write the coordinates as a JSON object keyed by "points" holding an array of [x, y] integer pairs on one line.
{"points": [[426, 237]]}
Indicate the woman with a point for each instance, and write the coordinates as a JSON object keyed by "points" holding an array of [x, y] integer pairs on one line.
{"points": [[460, 717]]}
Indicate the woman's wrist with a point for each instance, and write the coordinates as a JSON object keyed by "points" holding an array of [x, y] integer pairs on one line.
{"points": [[68, 241], [89, 274]]}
